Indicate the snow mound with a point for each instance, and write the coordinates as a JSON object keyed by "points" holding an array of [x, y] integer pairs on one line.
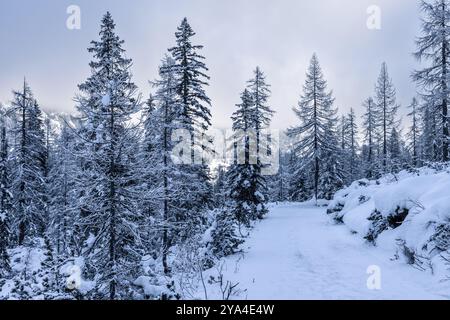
{"points": [[407, 213], [151, 290]]}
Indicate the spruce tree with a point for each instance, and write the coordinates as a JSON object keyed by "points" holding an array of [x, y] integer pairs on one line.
{"points": [[433, 46], [5, 197], [370, 131], [414, 132], [246, 185], [353, 146], [317, 115], [224, 242], [63, 192], [429, 138], [28, 174], [278, 184], [170, 182], [191, 77], [220, 186], [386, 108], [396, 155], [262, 114], [301, 186], [194, 115], [332, 177], [106, 103], [342, 130]]}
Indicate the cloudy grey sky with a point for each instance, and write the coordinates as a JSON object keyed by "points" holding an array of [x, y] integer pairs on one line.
{"points": [[279, 36]]}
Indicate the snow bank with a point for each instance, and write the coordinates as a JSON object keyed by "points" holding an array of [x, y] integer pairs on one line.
{"points": [[151, 290], [407, 213]]}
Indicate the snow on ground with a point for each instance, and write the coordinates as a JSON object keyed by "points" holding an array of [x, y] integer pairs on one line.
{"points": [[297, 252], [407, 213]]}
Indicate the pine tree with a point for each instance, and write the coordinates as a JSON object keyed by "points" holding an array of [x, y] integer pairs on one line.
{"points": [[63, 192], [284, 176], [191, 78], [5, 197], [194, 115], [395, 152], [220, 187], [353, 146], [386, 109], [278, 184], [246, 185], [150, 145], [28, 174], [301, 187], [348, 131], [342, 133], [332, 177], [224, 242], [317, 115], [110, 198], [262, 113], [434, 46], [370, 137], [171, 182], [47, 165], [414, 132], [342, 126], [429, 138]]}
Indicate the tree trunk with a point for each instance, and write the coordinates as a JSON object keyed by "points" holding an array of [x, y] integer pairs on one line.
{"points": [[166, 198], [23, 224], [112, 209], [445, 131]]}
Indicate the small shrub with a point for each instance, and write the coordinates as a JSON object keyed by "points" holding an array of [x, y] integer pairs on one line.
{"points": [[379, 224]]}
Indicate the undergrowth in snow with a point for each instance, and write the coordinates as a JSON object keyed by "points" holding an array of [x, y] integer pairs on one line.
{"points": [[407, 213]]}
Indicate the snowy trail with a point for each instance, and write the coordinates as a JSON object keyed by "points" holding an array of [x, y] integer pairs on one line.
{"points": [[297, 253]]}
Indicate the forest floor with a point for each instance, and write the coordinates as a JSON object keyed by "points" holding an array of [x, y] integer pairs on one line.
{"points": [[297, 252]]}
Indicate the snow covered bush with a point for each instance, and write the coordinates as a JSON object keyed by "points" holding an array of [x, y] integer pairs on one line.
{"points": [[224, 241], [35, 275], [408, 213]]}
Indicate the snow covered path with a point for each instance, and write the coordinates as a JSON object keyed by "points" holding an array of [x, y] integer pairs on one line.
{"points": [[298, 253]]}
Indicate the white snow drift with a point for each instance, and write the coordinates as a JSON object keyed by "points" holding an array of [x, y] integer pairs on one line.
{"points": [[407, 213]]}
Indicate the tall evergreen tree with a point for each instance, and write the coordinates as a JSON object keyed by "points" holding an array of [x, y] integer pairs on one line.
{"points": [[396, 155], [246, 185], [348, 131], [353, 146], [28, 174], [386, 106], [194, 114], [301, 187], [429, 138], [262, 113], [316, 113], [278, 184], [47, 164], [63, 193], [342, 132], [370, 137], [414, 132], [434, 46], [342, 126], [171, 182], [106, 104], [5, 197], [191, 77], [332, 177]]}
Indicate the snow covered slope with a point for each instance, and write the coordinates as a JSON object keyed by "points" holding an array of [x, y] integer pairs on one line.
{"points": [[299, 253], [407, 214]]}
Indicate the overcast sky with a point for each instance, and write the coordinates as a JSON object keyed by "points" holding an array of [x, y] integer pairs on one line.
{"points": [[279, 36]]}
